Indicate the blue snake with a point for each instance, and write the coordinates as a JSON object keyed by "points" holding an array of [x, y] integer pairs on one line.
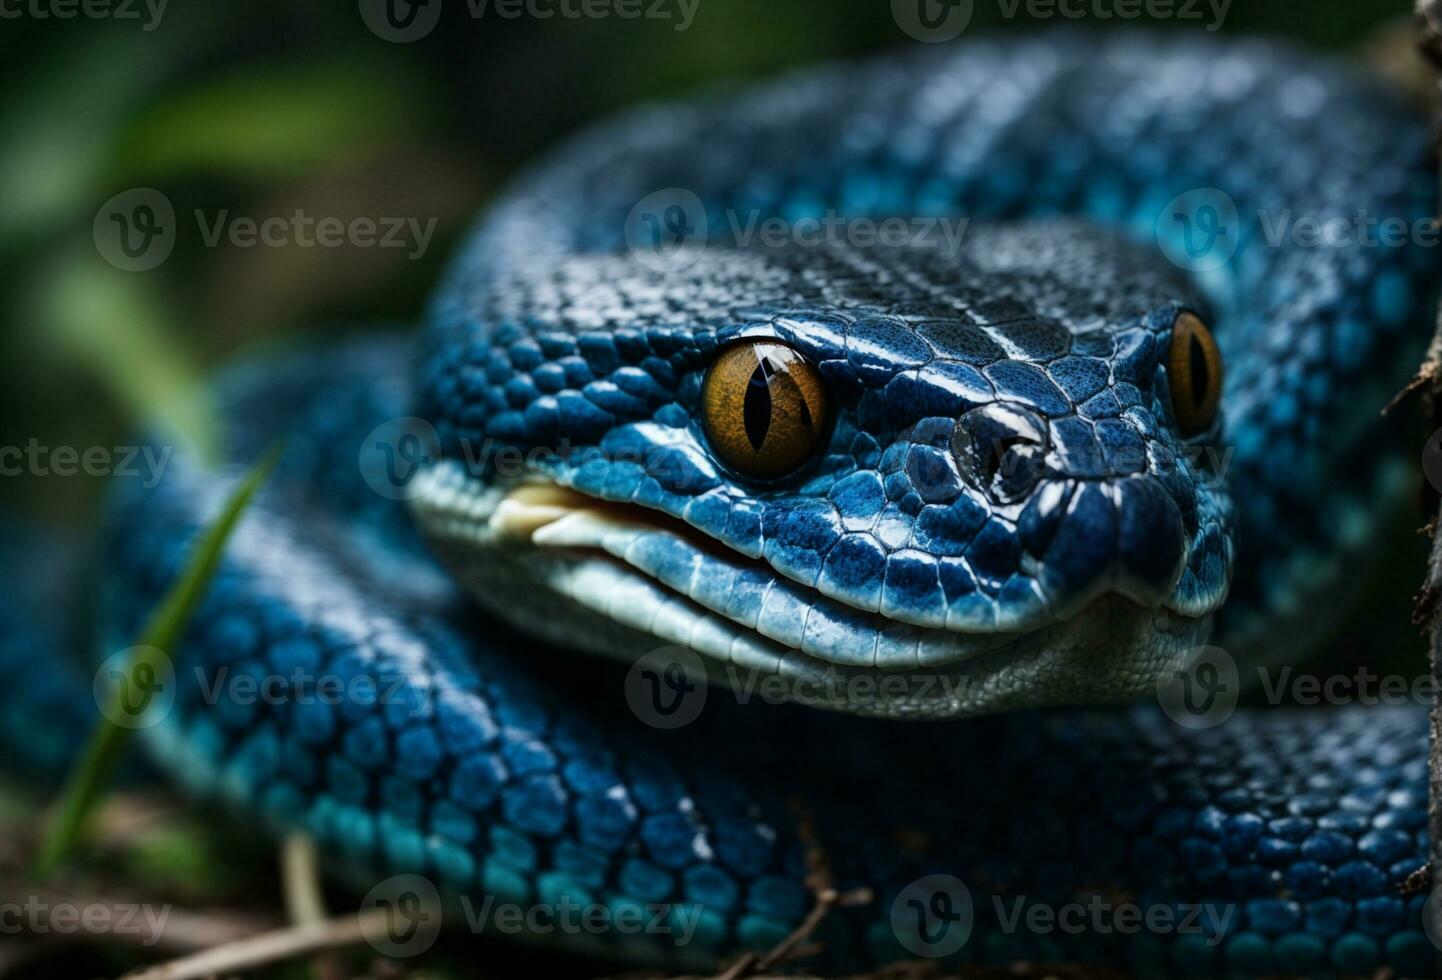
{"points": [[989, 485]]}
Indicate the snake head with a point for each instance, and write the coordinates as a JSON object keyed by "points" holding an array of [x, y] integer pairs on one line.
{"points": [[987, 471]]}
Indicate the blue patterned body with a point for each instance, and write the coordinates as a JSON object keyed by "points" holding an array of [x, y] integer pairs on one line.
{"points": [[545, 331], [491, 759], [495, 765]]}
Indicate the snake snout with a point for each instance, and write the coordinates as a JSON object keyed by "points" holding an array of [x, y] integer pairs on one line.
{"points": [[1087, 537], [1090, 519]]}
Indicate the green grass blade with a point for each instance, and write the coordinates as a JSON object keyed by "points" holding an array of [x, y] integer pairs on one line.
{"points": [[164, 628], [119, 326]]}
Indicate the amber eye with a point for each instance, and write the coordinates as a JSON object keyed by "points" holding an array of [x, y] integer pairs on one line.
{"points": [[764, 407], [1194, 368]]}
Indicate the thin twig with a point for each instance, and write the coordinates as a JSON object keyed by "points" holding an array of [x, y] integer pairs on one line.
{"points": [[300, 877], [269, 947], [1417, 882], [741, 968], [825, 902], [301, 880], [821, 884]]}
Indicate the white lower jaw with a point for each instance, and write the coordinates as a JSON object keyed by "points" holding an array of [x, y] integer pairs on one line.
{"points": [[558, 565], [538, 528], [561, 535]]}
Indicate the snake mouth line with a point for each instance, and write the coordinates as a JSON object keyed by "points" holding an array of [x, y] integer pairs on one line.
{"points": [[656, 574]]}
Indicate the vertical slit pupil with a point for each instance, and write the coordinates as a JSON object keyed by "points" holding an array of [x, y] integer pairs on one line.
{"points": [[1201, 382], [756, 409]]}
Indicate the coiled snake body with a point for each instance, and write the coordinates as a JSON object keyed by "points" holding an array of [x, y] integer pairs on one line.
{"points": [[897, 478]]}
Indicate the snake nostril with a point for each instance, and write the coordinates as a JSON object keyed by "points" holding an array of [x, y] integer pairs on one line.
{"points": [[1001, 460], [1000, 449]]}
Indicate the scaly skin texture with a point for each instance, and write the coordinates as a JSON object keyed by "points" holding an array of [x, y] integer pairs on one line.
{"points": [[543, 338], [884, 557], [499, 763], [505, 767]]}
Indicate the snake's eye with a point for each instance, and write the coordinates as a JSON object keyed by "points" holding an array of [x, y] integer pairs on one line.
{"points": [[1194, 370], [764, 408]]}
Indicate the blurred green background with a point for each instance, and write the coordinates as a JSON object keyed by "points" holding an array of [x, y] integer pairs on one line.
{"points": [[259, 109]]}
